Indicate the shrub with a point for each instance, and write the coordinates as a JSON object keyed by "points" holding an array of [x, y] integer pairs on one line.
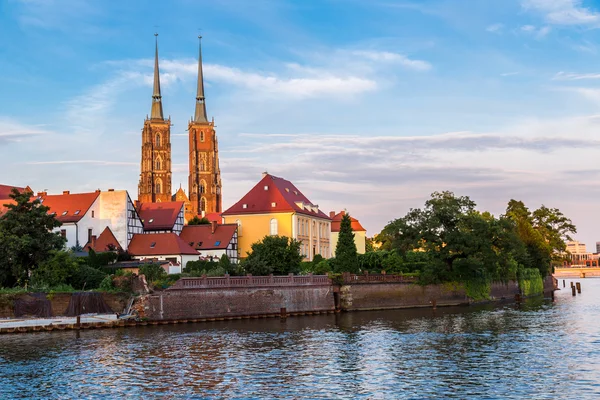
{"points": [[107, 284], [153, 272], [87, 278]]}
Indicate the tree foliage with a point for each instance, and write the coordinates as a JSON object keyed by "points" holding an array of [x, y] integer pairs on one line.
{"points": [[199, 221], [278, 255], [26, 240], [346, 256], [449, 240]]}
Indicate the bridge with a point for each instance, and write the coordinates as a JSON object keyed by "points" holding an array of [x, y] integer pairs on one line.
{"points": [[576, 272]]}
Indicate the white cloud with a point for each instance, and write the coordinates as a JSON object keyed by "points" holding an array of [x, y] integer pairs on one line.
{"points": [[566, 76], [14, 131], [495, 28], [385, 56], [537, 33], [563, 12]]}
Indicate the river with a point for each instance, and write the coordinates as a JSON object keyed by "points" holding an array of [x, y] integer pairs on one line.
{"points": [[538, 350]]}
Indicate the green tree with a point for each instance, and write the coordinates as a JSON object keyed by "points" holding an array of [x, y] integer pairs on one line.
{"points": [[152, 272], [26, 240], [277, 255], [225, 263], [199, 221], [59, 269], [346, 256]]}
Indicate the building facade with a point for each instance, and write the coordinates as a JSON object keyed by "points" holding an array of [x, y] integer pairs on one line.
{"points": [[204, 181], [276, 207], [155, 176]]}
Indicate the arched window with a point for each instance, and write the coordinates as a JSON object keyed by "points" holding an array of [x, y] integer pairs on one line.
{"points": [[202, 165], [157, 164], [202, 186], [239, 224], [157, 141], [273, 227], [203, 204], [158, 187]]}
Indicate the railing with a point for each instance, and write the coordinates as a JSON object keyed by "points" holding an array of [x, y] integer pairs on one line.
{"points": [[250, 281], [377, 278]]}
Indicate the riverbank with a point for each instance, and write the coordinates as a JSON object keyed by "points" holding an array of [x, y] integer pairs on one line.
{"points": [[228, 298]]}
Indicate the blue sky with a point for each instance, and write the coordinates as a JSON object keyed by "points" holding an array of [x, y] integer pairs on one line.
{"points": [[365, 105]]}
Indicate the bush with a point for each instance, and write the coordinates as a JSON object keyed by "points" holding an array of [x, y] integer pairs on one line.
{"points": [[278, 255], [107, 284], [87, 278], [58, 270], [152, 272]]}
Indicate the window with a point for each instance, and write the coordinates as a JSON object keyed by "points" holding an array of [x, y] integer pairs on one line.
{"points": [[157, 164], [63, 233], [199, 244], [202, 186], [152, 245], [77, 212], [64, 212], [202, 165], [218, 243], [244, 205], [89, 235], [202, 136], [287, 190], [273, 204], [157, 140], [151, 220], [273, 227], [203, 204], [158, 187], [92, 213], [191, 244], [266, 187]]}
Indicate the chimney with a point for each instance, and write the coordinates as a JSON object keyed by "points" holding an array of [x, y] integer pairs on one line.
{"points": [[213, 226], [98, 191], [265, 174], [111, 190], [331, 214], [42, 194], [66, 192]]}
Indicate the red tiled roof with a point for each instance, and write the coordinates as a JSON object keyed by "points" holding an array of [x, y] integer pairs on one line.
{"points": [[3, 204], [103, 242], [337, 219], [203, 237], [159, 244], [213, 217], [159, 216], [5, 190], [280, 196], [69, 207]]}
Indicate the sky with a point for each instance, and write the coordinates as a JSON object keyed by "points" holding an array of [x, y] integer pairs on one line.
{"points": [[368, 106]]}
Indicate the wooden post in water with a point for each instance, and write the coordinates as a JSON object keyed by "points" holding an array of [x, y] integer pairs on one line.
{"points": [[78, 323], [572, 284], [283, 313], [573, 290], [564, 284], [578, 285], [434, 303]]}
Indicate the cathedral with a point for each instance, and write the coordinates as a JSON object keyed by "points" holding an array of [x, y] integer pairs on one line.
{"points": [[204, 180]]}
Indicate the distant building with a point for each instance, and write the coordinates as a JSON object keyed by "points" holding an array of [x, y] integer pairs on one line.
{"points": [[213, 240], [360, 233], [578, 255], [276, 207], [163, 246], [85, 216], [5, 200], [576, 247], [597, 247], [162, 217]]}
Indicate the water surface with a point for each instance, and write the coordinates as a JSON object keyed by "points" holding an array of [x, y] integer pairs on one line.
{"points": [[540, 350]]}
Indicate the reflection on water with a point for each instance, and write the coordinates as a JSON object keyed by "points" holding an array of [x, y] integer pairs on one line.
{"points": [[538, 350]]}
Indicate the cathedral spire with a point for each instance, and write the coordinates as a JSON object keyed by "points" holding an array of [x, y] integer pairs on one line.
{"points": [[157, 111], [200, 114]]}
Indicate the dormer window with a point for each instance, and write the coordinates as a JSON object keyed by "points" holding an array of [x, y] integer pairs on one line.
{"points": [[266, 187], [191, 244], [295, 192], [64, 213], [151, 220], [287, 190], [217, 243], [273, 204], [152, 245], [77, 212], [244, 205]]}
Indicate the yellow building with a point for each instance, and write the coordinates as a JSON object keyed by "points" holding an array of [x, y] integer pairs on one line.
{"points": [[276, 207], [360, 233]]}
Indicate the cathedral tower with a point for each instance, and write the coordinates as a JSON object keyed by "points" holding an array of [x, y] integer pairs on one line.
{"points": [[155, 176], [205, 176]]}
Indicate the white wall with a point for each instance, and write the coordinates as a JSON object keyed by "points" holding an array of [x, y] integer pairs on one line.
{"points": [[181, 258]]}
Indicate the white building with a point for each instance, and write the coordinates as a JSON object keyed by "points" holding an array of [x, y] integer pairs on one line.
{"points": [[162, 246], [213, 240]]}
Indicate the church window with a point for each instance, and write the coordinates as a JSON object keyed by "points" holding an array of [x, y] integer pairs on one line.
{"points": [[158, 140], [158, 187], [202, 165], [203, 204], [202, 186], [202, 136], [273, 227], [158, 164]]}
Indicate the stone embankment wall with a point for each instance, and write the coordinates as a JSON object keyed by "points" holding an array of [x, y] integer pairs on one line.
{"points": [[60, 302], [197, 298]]}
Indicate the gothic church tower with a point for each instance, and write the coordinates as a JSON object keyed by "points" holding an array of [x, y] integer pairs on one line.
{"points": [[155, 177], [205, 176]]}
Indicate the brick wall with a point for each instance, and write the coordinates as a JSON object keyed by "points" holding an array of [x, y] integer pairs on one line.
{"points": [[232, 302]]}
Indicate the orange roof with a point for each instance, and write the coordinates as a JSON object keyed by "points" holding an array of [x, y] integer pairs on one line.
{"points": [[216, 217], [273, 194], [337, 219], [202, 237], [69, 207], [159, 216], [104, 241], [3, 204], [5, 190], [159, 244]]}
